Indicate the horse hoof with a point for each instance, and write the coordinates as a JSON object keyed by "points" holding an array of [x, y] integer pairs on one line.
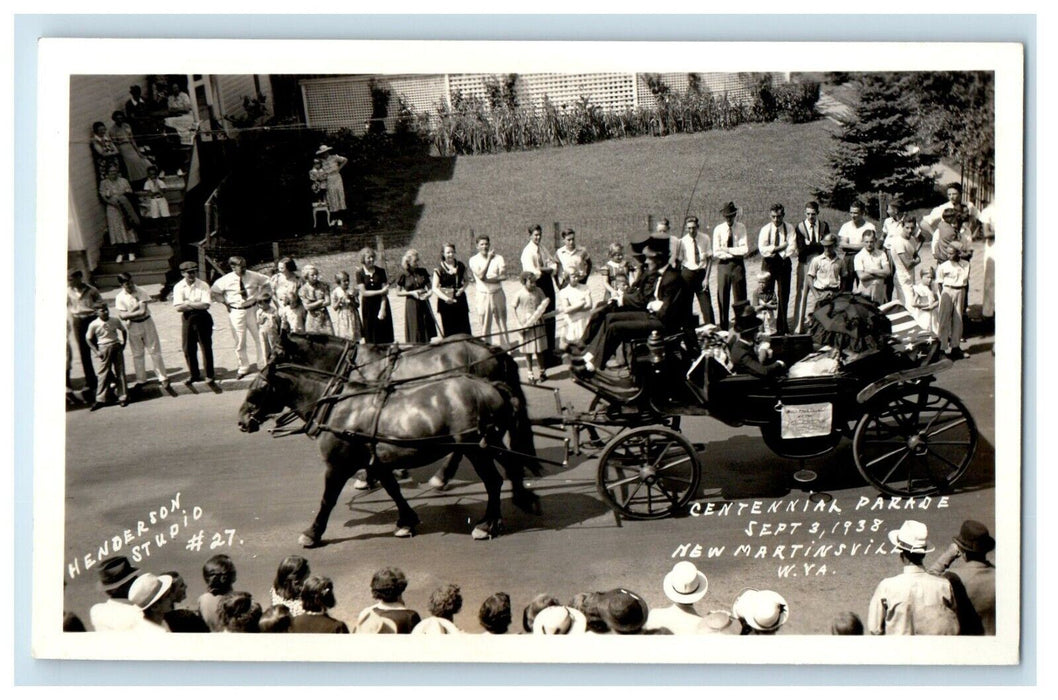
{"points": [[437, 483], [404, 532], [308, 542], [527, 502], [361, 485], [485, 531]]}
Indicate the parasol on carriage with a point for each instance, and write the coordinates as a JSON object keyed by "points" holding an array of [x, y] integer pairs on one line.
{"points": [[850, 322]]}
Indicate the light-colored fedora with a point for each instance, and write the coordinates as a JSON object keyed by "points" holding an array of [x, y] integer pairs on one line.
{"points": [[685, 583]]}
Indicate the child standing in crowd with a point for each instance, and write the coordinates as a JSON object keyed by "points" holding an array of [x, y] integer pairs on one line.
{"points": [[107, 336], [316, 297], [529, 305], [924, 302], [219, 575], [767, 306], [574, 300], [156, 205], [346, 308], [616, 267], [952, 280]]}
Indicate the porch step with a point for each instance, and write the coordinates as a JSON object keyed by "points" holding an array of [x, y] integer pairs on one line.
{"points": [[142, 264], [107, 281]]}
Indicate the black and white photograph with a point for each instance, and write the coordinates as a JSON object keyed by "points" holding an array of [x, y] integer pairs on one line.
{"points": [[498, 340]]}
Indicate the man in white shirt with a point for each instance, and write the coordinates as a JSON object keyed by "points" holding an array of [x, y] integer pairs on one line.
{"points": [[118, 613], [240, 290], [872, 269], [570, 256], [953, 277], [694, 253], [131, 305], [685, 585], [191, 297], [489, 271], [730, 247], [850, 240], [538, 260], [776, 243]]}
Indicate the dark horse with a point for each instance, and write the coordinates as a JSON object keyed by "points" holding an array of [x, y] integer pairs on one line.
{"points": [[457, 353], [399, 424]]}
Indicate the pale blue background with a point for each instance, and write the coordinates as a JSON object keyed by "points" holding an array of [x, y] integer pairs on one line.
{"points": [[29, 28]]}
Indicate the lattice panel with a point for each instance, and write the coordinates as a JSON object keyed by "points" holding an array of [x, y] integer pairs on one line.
{"points": [[333, 103], [607, 90], [737, 88]]}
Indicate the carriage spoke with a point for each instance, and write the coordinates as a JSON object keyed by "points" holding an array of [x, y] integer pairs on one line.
{"points": [[674, 463], [632, 495], [680, 479], [944, 459], [886, 456], [897, 466], [946, 427], [622, 482]]}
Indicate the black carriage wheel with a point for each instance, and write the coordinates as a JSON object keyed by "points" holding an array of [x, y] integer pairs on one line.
{"points": [[914, 441], [648, 473]]}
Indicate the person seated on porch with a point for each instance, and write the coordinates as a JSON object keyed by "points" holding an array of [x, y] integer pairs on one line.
{"points": [[662, 303], [745, 355]]}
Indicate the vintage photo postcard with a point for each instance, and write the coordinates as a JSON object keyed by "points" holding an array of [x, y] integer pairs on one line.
{"points": [[443, 347]]}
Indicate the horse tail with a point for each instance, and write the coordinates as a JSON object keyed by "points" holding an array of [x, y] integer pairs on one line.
{"points": [[521, 428]]}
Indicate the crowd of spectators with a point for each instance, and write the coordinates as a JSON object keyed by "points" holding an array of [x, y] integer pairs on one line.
{"points": [[954, 595]]}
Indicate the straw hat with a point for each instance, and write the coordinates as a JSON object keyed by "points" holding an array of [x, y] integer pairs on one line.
{"points": [[911, 537], [560, 619], [685, 583], [764, 611], [149, 589]]}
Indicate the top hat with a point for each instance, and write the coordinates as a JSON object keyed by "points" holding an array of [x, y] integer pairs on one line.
{"points": [[623, 610], [764, 611], [149, 589], [685, 583], [116, 572], [911, 537], [323, 149], [974, 537], [729, 210], [748, 321], [188, 266], [560, 619]]}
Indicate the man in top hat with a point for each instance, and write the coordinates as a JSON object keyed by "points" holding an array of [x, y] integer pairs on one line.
{"points": [[661, 303], [760, 612], [151, 595], [241, 290], [905, 603], [808, 245], [684, 585], [975, 575], [693, 257], [117, 614], [730, 248], [192, 297], [743, 350]]}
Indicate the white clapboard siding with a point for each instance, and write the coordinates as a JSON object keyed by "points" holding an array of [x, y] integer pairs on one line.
{"points": [[92, 98]]}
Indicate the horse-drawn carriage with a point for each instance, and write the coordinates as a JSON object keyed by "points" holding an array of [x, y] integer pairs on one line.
{"points": [[386, 407]]}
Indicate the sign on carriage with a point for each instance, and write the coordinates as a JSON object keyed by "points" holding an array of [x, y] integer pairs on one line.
{"points": [[560, 458], [807, 420]]}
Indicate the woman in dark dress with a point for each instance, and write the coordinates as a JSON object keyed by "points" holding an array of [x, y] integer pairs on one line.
{"points": [[450, 288], [414, 286], [376, 319], [317, 598], [389, 614]]}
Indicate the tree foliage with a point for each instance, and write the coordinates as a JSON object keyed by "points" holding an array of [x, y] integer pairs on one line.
{"points": [[957, 114], [879, 150]]}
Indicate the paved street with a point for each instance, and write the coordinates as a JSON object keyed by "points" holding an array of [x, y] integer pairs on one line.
{"points": [[250, 495]]}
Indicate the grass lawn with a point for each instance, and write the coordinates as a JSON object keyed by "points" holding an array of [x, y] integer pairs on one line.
{"points": [[606, 192]]}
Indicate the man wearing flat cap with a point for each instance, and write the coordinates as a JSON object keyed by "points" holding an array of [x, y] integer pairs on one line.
{"points": [[192, 297], [661, 302], [915, 601], [730, 248], [974, 575], [118, 613]]}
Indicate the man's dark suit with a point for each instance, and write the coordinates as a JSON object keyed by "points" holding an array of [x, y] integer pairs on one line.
{"points": [[744, 358], [627, 324], [807, 248]]}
